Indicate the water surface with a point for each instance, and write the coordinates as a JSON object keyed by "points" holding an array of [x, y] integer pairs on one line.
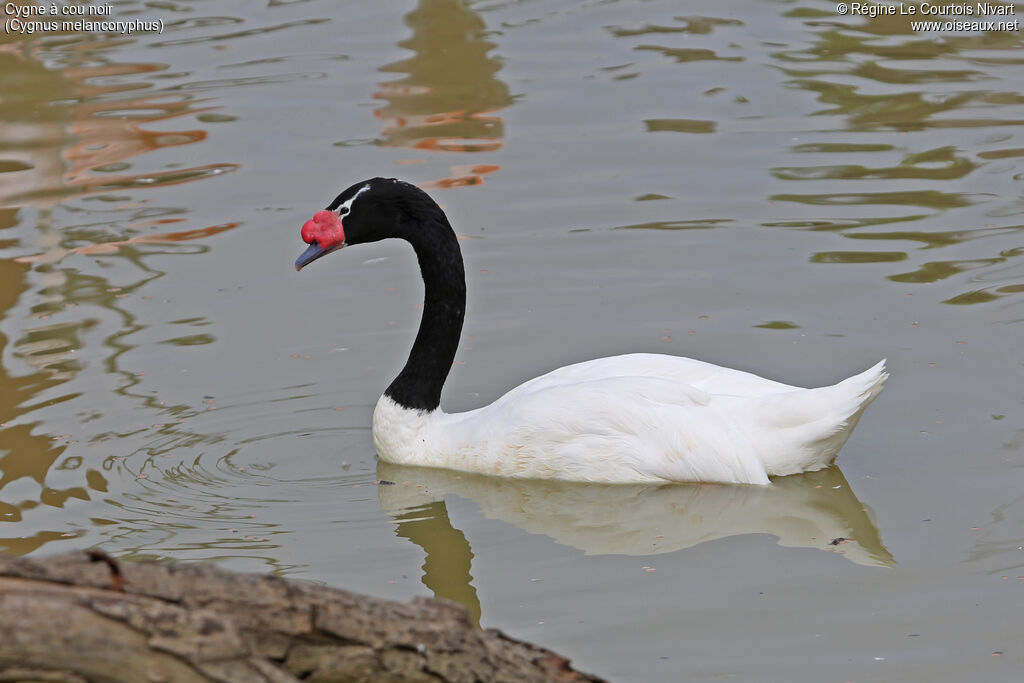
{"points": [[768, 186]]}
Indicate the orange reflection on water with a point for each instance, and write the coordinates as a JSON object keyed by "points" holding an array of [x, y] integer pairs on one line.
{"points": [[448, 98], [57, 254], [72, 131], [462, 175], [99, 131]]}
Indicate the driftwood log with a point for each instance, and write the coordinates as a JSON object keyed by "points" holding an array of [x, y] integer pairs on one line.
{"points": [[86, 617]]}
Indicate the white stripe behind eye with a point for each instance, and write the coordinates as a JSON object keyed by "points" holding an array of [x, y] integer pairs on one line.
{"points": [[346, 205]]}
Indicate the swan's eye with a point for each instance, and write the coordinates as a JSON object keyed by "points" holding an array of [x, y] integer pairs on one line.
{"points": [[342, 210]]}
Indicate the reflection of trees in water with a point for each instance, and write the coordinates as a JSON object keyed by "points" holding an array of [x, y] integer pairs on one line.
{"points": [[84, 147], [852, 71], [71, 132], [69, 304], [24, 453], [447, 98], [878, 79]]}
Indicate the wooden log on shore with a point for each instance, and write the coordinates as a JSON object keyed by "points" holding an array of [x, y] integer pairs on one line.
{"points": [[83, 616]]}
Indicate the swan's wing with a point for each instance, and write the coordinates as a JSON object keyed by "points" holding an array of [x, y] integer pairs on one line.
{"points": [[676, 420], [685, 372], [611, 429]]}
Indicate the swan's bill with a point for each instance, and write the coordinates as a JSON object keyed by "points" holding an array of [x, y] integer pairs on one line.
{"points": [[312, 253]]}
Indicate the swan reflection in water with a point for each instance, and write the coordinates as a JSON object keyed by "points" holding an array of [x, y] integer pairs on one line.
{"points": [[813, 510]]}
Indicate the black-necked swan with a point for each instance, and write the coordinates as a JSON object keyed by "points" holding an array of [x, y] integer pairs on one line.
{"points": [[634, 418]]}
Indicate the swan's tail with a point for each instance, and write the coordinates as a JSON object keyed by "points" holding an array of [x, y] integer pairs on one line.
{"points": [[821, 420]]}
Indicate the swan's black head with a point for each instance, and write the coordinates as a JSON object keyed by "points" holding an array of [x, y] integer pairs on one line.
{"points": [[368, 211], [379, 208]]}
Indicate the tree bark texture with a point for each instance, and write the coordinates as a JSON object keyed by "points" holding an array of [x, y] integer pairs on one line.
{"points": [[83, 617]]}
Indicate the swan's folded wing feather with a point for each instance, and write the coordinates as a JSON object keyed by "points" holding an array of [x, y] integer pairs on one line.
{"points": [[615, 429], [687, 372]]}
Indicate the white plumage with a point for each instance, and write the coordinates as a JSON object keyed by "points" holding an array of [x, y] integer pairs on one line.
{"points": [[636, 418]]}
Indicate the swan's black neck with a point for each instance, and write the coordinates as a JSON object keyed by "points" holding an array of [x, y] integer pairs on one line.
{"points": [[418, 385]]}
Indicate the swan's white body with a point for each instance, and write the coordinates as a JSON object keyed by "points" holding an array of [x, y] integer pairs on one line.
{"points": [[636, 418]]}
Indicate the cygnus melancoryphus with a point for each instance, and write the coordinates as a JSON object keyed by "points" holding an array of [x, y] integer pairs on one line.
{"points": [[632, 418]]}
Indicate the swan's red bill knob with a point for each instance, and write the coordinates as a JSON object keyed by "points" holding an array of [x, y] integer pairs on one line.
{"points": [[323, 233]]}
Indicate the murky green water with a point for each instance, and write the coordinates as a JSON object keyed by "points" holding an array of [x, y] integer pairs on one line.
{"points": [[765, 185]]}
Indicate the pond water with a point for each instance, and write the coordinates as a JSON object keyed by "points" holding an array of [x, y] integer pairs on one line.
{"points": [[766, 185]]}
